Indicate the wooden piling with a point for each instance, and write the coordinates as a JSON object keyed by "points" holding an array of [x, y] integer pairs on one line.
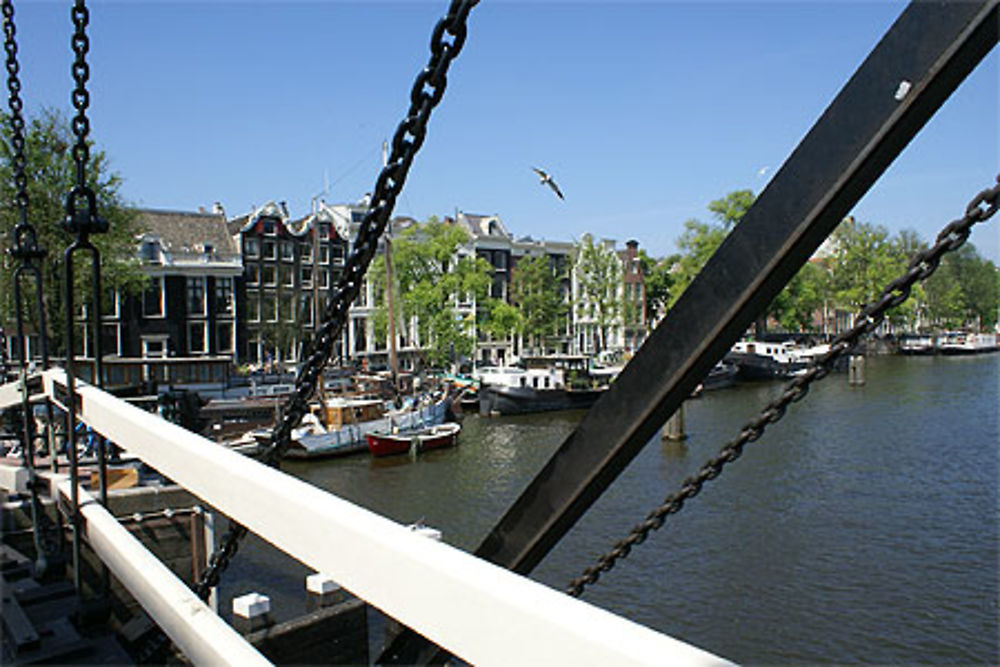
{"points": [[674, 428], [856, 370]]}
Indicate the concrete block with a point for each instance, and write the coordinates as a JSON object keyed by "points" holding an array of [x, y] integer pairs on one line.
{"points": [[322, 591], [251, 612]]}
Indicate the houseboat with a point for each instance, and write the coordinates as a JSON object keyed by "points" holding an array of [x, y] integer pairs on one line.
{"points": [[542, 384]]}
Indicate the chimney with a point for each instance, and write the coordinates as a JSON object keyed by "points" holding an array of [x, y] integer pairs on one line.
{"points": [[284, 208], [218, 210]]}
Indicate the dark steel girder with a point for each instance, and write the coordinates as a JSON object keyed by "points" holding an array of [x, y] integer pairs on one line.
{"points": [[933, 46]]}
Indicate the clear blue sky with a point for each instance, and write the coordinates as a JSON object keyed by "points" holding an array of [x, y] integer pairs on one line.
{"points": [[643, 112]]}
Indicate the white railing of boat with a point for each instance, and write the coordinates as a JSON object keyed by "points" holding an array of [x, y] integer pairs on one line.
{"points": [[482, 613]]}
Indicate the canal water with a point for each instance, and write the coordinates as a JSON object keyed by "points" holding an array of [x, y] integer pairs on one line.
{"points": [[861, 528]]}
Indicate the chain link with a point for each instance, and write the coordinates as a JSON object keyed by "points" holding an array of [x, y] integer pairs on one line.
{"points": [[81, 220], [447, 40], [24, 244], [982, 207]]}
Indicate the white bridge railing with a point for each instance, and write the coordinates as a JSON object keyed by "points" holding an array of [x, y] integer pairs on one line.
{"points": [[484, 614]]}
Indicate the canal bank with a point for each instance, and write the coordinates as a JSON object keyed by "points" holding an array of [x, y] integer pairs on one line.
{"points": [[862, 528]]}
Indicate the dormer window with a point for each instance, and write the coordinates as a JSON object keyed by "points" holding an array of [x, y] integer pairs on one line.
{"points": [[150, 250], [267, 226], [209, 249]]}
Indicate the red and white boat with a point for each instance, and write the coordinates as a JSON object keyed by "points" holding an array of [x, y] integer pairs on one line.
{"points": [[383, 443]]}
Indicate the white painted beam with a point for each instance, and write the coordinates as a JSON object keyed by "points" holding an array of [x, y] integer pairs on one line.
{"points": [[197, 631], [482, 613]]}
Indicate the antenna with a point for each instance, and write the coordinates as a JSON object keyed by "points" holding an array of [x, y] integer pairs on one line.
{"points": [[385, 153]]}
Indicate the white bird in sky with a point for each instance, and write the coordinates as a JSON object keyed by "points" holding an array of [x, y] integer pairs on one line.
{"points": [[545, 179]]}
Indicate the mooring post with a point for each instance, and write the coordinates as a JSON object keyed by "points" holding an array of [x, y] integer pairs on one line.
{"points": [[856, 370], [323, 591], [251, 612], [674, 428]]}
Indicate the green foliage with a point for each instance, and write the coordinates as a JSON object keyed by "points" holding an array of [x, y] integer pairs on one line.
{"points": [[796, 304], [430, 282], [659, 280], [700, 240], [51, 174], [965, 290], [599, 275], [502, 320], [535, 292]]}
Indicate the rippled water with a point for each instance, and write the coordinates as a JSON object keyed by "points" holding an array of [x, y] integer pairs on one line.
{"points": [[862, 528]]}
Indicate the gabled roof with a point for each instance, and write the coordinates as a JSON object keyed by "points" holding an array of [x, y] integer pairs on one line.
{"points": [[184, 231]]}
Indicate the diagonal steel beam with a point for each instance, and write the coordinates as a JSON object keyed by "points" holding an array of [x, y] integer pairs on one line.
{"points": [[929, 50]]}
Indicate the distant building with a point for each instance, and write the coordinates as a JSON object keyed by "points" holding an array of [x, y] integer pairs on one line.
{"points": [[182, 328], [289, 269]]}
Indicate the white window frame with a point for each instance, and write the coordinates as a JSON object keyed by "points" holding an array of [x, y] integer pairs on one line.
{"points": [[252, 246], [204, 296], [163, 299], [204, 336]]}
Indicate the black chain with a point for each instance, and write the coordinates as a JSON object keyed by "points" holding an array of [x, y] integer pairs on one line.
{"points": [[24, 245], [447, 40], [982, 207], [81, 220]]}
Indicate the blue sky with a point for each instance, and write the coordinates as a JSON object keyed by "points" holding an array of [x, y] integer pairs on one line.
{"points": [[643, 112]]}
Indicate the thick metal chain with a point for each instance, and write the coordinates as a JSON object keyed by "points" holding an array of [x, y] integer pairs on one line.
{"points": [[81, 220], [982, 207], [447, 40]]}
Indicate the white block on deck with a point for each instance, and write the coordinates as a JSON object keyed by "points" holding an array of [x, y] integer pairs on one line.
{"points": [[251, 605], [13, 479], [321, 584]]}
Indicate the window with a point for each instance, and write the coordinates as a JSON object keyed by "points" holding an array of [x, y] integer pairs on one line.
{"points": [[196, 296], [152, 298], [324, 278], [269, 249], [269, 308], [286, 311], [306, 308], [253, 274], [324, 254], [268, 274], [287, 276], [307, 276], [110, 339], [337, 253], [110, 305], [306, 252], [251, 247], [501, 260], [196, 337], [253, 307], [267, 226], [223, 296], [324, 230], [149, 251], [287, 251], [224, 337], [153, 349]]}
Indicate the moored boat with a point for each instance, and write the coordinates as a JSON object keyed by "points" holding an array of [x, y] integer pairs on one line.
{"points": [[340, 425], [561, 382], [967, 343], [761, 360], [387, 443]]}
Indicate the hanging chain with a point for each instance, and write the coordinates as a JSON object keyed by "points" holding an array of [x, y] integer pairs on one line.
{"points": [[24, 248], [81, 221], [24, 244], [447, 40], [982, 207]]}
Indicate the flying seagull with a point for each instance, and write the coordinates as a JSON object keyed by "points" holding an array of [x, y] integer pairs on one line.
{"points": [[545, 179]]}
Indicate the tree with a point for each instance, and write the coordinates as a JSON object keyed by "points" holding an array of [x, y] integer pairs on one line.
{"points": [[431, 283], [700, 240], [51, 174], [535, 292], [795, 306], [659, 280], [599, 276], [863, 263], [965, 290]]}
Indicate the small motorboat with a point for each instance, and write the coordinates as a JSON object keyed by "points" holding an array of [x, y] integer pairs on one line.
{"points": [[384, 443]]}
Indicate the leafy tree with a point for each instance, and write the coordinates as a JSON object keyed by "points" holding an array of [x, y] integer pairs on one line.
{"points": [[431, 282], [965, 290], [502, 320], [51, 174], [863, 263], [599, 275], [659, 280], [797, 303], [535, 292], [700, 240]]}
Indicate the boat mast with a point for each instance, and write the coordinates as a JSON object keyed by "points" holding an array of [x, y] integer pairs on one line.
{"points": [[391, 313]]}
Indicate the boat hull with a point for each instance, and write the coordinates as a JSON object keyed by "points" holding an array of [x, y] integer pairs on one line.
{"points": [[524, 400], [388, 444]]}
